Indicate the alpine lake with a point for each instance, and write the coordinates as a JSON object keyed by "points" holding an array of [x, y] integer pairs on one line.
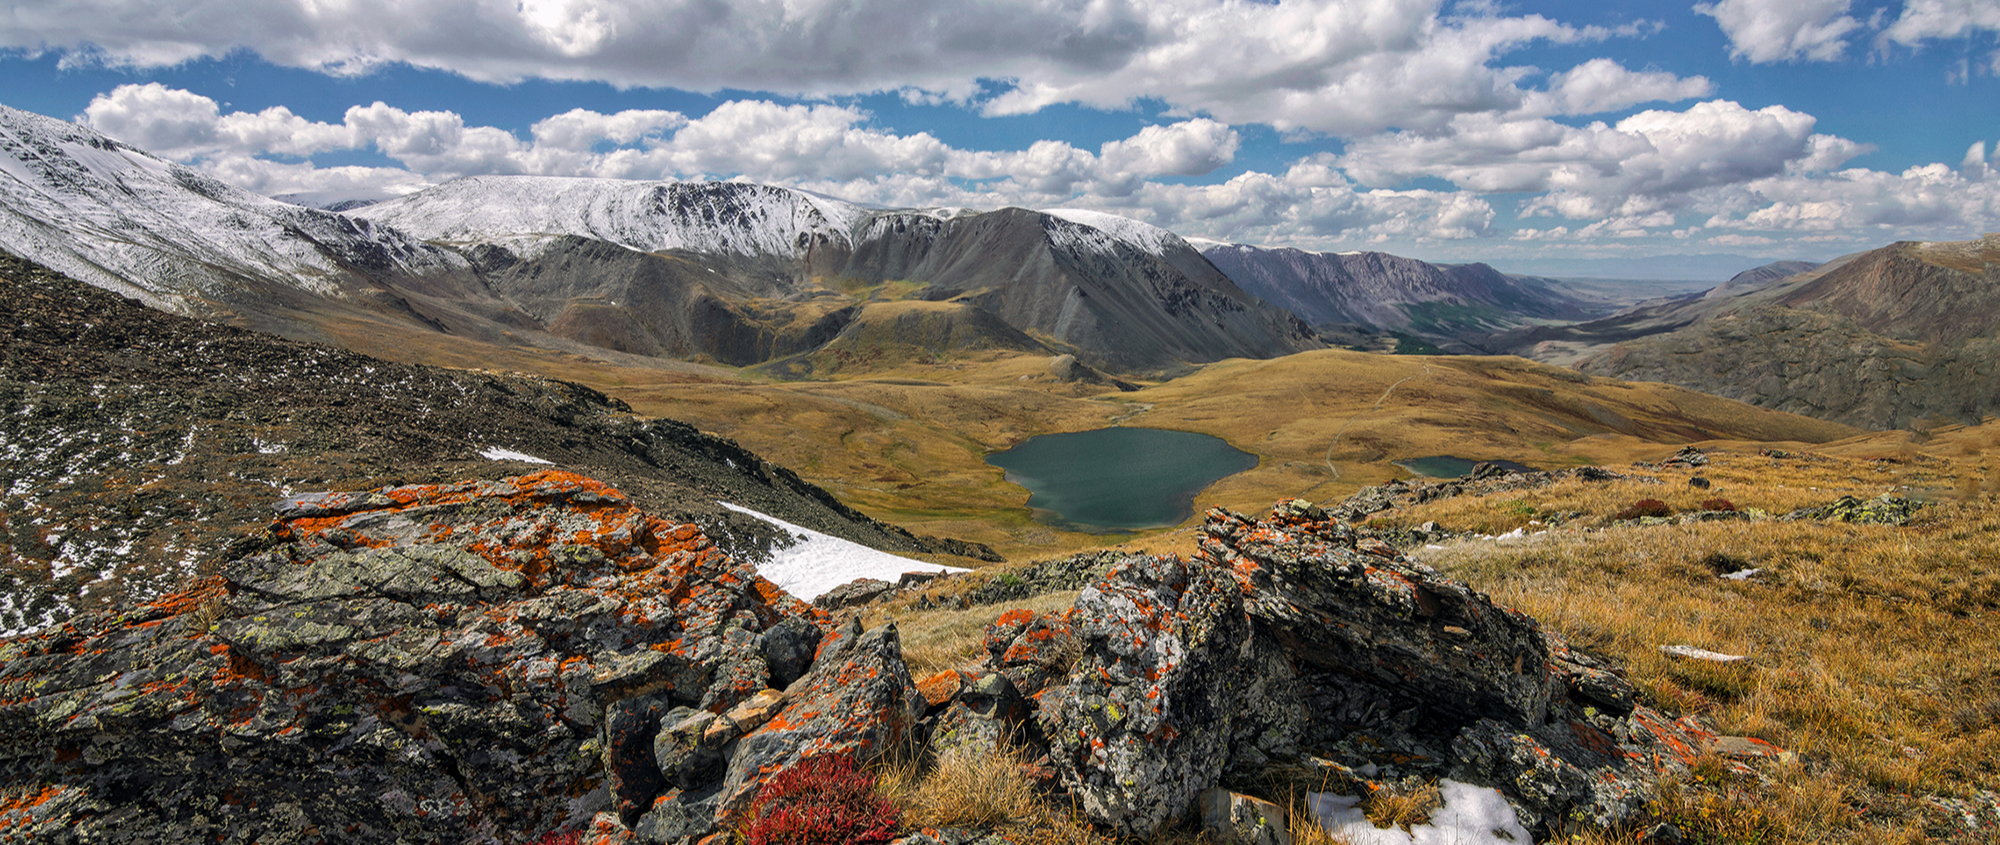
{"points": [[1118, 479]]}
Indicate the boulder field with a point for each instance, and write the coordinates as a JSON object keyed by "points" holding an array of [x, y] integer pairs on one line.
{"points": [[492, 661]]}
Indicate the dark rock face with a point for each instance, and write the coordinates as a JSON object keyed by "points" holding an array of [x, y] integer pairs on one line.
{"points": [[1285, 640], [433, 663]]}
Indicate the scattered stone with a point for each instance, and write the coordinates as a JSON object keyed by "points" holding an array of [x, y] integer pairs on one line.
{"points": [[1235, 819], [1688, 457], [940, 688], [854, 593], [1745, 748], [1664, 833], [1692, 653], [1698, 482], [1886, 509]]}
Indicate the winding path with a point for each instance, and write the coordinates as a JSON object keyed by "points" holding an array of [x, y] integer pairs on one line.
{"points": [[1335, 443]]}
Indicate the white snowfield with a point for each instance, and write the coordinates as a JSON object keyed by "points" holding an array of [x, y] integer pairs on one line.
{"points": [[144, 227], [1145, 237], [648, 216], [1471, 815], [735, 218], [819, 562]]}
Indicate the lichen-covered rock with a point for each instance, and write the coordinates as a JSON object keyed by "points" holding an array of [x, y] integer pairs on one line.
{"points": [[1038, 655], [1886, 509], [1295, 640], [988, 715], [429, 663], [854, 593], [857, 699], [1235, 819], [1170, 686]]}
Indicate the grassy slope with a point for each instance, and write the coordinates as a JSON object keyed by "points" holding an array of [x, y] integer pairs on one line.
{"points": [[906, 440]]}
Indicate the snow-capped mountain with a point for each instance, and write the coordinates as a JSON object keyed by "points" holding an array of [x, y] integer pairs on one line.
{"points": [[747, 273], [737, 272], [730, 218], [125, 220]]}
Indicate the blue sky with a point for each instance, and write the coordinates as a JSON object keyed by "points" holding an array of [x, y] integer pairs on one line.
{"points": [[1442, 130]]}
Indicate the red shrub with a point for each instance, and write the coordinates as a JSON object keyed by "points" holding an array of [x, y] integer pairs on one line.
{"points": [[1718, 505], [822, 801], [1644, 507]]}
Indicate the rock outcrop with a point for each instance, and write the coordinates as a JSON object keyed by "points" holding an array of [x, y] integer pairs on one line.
{"points": [[477, 662], [1294, 641], [490, 661]]}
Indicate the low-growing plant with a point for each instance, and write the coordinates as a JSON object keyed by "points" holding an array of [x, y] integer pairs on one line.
{"points": [[1400, 806], [1644, 508], [1717, 504], [822, 801], [561, 837]]}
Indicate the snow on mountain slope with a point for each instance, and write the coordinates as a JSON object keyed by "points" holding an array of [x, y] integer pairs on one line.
{"points": [[1110, 227], [708, 217], [127, 221]]}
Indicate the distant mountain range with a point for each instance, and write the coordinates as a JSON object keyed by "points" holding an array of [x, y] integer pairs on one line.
{"points": [[1875, 339], [803, 285], [748, 273], [1384, 292], [1707, 267]]}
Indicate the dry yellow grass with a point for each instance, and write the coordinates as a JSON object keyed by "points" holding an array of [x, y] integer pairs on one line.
{"points": [[947, 638], [1874, 650], [1874, 653], [983, 792]]}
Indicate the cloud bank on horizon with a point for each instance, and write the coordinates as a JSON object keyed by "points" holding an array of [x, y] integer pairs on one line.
{"points": [[1422, 124]]}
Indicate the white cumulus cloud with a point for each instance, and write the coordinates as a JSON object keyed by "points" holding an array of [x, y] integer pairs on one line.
{"points": [[1784, 30], [1331, 66]]}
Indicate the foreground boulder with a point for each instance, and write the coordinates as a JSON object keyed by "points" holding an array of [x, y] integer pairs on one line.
{"points": [[480, 662], [1293, 641]]}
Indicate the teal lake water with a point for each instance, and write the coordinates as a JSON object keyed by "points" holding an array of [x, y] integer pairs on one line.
{"points": [[1118, 479], [1449, 466]]}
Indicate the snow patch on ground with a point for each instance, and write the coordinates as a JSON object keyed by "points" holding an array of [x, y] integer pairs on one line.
{"points": [[1471, 815], [817, 562], [495, 453]]}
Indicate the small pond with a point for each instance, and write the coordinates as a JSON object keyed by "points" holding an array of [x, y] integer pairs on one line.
{"points": [[1452, 466], [1118, 479]]}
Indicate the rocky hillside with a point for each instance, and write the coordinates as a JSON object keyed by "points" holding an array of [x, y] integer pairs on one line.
{"points": [[1382, 292], [492, 661], [1877, 340], [139, 444]]}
